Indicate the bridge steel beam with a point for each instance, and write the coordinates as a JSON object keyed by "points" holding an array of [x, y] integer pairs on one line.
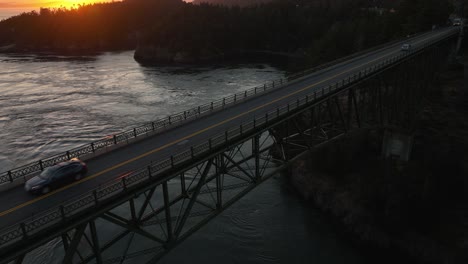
{"points": [[162, 205]]}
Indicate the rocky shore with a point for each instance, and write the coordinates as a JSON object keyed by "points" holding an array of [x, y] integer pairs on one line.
{"points": [[418, 208]]}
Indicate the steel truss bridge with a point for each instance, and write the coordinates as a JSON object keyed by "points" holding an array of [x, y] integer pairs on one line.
{"points": [[164, 202]]}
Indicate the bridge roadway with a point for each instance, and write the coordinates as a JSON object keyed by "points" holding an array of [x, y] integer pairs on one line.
{"points": [[17, 205]]}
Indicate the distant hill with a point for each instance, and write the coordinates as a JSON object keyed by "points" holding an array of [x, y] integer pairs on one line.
{"points": [[232, 2], [318, 3], [177, 31]]}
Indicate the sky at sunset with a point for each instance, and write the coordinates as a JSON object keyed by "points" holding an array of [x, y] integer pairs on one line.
{"points": [[10, 8], [42, 3]]}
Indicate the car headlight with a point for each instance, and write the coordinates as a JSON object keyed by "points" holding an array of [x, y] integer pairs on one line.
{"points": [[35, 187]]}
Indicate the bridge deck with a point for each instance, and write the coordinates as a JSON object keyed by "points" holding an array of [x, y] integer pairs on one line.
{"points": [[18, 205]]}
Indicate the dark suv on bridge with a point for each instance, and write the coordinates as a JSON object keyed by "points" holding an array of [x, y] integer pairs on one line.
{"points": [[56, 176]]}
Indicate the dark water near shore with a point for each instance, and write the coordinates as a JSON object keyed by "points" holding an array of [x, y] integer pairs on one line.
{"points": [[52, 103]]}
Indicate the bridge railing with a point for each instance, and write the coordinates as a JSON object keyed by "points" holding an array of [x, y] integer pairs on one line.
{"points": [[139, 132], [163, 124], [75, 206], [349, 57]]}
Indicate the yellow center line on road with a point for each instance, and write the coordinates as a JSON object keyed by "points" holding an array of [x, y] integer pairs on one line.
{"points": [[191, 135]]}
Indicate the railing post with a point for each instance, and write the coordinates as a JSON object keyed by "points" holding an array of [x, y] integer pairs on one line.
{"points": [[185, 115], [264, 87], [235, 97], [40, 165], [134, 132], [96, 200], [211, 106], [266, 117], [255, 90], [169, 119], [62, 212], [124, 184], [9, 176], [92, 147], [152, 125], [149, 171], [199, 110], [115, 140], [245, 93], [288, 107], [23, 229]]}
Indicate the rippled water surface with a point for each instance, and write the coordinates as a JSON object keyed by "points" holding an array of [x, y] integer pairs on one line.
{"points": [[50, 103]]}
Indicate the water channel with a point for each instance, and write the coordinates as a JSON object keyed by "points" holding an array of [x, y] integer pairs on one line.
{"points": [[50, 103]]}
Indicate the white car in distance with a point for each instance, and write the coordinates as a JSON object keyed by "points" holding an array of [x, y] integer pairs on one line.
{"points": [[406, 47]]}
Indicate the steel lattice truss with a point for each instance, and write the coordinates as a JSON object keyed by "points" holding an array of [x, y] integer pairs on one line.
{"points": [[147, 225]]}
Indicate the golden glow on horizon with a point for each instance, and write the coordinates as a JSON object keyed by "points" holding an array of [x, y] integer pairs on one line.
{"points": [[36, 4]]}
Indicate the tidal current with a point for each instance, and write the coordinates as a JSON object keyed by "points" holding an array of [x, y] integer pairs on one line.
{"points": [[49, 104]]}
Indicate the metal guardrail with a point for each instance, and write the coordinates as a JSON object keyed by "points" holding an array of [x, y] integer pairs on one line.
{"points": [[163, 124], [108, 191]]}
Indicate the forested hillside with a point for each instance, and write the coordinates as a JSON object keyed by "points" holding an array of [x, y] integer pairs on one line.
{"points": [[232, 2], [173, 30]]}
